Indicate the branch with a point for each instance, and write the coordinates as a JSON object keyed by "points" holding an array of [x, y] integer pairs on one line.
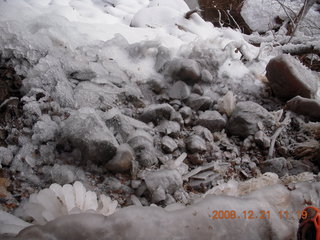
{"points": [[189, 13]]}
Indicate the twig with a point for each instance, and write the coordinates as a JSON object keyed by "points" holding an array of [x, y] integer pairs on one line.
{"points": [[274, 137], [189, 13]]}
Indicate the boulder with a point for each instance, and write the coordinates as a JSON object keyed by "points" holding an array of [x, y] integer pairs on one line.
{"points": [[212, 120], [122, 161], [186, 70], [143, 147], [245, 118], [85, 130], [156, 112], [179, 90], [196, 144], [289, 78], [305, 106]]}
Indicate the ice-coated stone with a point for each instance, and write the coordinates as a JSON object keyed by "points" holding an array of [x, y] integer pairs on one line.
{"points": [[44, 130], [6, 156], [168, 127], [176, 116], [197, 102], [186, 112], [161, 182], [227, 103], [212, 120], [245, 118], [144, 150], [186, 70], [179, 90], [206, 76], [289, 78], [122, 161], [156, 112], [168, 144], [262, 140], [197, 89], [196, 144], [305, 106], [86, 131]]}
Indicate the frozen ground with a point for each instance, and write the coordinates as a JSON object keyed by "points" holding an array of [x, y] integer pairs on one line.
{"points": [[134, 99]]}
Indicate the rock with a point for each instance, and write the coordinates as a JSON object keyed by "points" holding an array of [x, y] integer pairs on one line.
{"points": [[168, 144], [197, 89], [195, 159], [197, 102], [289, 78], [6, 156], [162, 182], [179, 90], [156, 85], [64, 174], [162, 57], [203, 132], [204, 180], [4, 184], [44, 130], [275, 165], [206, 76], [123, 125], [83, 75], [156, 112], [227, 104], [122, 161], [196, 144], [262, 140], [168, 127], [176, 116], [212, 120], [142, 144], [245, 118], [305, 106], [186, 70], [86, 131], [186, 112]]}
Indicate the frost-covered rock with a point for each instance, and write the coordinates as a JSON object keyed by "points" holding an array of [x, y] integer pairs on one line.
{"points": [[168, 144], [179, 90], [168, 127], [44, 130], [196, 144], [161, 182], [186, 70], [123, 160], [245, 118], [227, 103], [289, 78], [64, 174], [86, 131], [197, 102], [144, 150], [57, 201], [6, 156], [305, 106], [262, 140], [156, 112], [212, 120]]}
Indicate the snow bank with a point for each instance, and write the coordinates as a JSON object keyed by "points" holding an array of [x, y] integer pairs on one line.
{"points": [[193, 222]]}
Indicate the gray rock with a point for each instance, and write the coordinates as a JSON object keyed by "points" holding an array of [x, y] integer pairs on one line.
{"points": [[212, 120], [86, 131], [142, 144], [275, 165], [168, 144], [179, 90], [44, 130], [262, 140], [85, 75], [206, 76], [289, 78], [64, 174], [245, 118], [197, 89], [203, 132], [197, 102], [176, 116], [305, 106], [156, 112], [186, 112], [186, 70], [162, 182], [195, 159], [6, 156], [196, 144], [168, 127], [122, 161]]}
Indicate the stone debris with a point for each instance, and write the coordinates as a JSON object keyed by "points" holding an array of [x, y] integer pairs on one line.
{"points": [[245, 118], [212, 120], [289, 78]]}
